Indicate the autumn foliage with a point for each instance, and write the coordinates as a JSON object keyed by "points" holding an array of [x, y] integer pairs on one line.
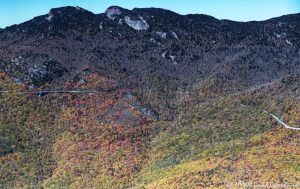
{"points": [[104, 140]]}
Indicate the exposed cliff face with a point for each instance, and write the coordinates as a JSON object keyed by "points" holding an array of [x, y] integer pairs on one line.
{"points": [[156, 52]]}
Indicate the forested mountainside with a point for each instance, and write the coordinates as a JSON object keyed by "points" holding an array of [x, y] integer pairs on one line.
{"points": [[148, 98]]}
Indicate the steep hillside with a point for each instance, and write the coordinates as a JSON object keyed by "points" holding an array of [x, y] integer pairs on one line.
{"points": [[148, 98], [66, 139], [154, 52], [230, 140]]}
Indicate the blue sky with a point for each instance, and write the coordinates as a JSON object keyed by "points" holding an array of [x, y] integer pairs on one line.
{"points": [[17, 11]]}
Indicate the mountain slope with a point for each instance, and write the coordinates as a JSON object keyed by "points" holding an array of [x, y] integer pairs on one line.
{"points": [[58, 140], [148, 98], [173, 53], [230, 140]]}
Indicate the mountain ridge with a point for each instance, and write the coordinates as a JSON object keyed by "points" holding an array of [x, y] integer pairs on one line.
{"points": [[156, 9]]}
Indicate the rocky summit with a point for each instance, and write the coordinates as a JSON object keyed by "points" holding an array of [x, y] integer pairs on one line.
{"points": [[148, 98]]}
